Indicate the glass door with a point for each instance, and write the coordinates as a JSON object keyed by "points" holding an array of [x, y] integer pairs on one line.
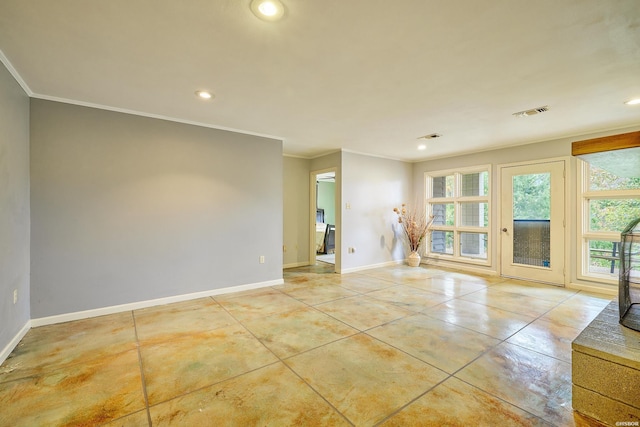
{"points": [[532, 222]]}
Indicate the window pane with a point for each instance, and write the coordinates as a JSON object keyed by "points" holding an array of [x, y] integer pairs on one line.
{"points": [[443, 213], [443, 186], [600, 180], [475, 184], [474, 214], [612, 214], [532, 196], [442, 242], [604, 257], [473, 245]]}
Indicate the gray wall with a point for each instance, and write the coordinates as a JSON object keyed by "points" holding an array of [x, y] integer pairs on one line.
{"points": [[127, 208], [296, 211], [372, 187], [14, 207]]}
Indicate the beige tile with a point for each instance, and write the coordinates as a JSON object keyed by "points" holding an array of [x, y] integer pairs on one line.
{"points": [[441, 344], [447, 286], [293, 332], [88, 393], [509, 301], [460, 277], [318, 294], [260, 305], [547, 292], [455, 403], [363, 312], [363, 378], [363, 284], [546, 337], [245, 293], [491, 321], [270, 396], [196, 355], [188, 363], [167, 322], [591, 299], [309, 283], [408, 297], [573, 314], [50, 347], [401, 273], [137, 419], [532, 381]]}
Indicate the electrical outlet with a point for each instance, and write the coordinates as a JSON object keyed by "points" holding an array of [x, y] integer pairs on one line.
{"points": [[261, 259], [15, 296], [352, 250]]}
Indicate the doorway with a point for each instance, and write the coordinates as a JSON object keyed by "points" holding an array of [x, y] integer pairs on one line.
{"points": [[324, 218], [532, 225]]}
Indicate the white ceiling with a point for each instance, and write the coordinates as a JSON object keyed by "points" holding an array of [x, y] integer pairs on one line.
{"points": [[366, 76]]}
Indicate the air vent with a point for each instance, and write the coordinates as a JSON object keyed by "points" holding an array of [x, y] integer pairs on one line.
{"points": [[431, 136], [532, 112]]}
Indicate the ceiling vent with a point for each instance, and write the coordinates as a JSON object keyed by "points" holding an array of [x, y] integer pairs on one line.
{"points": [[431, 136], [532, 112]]}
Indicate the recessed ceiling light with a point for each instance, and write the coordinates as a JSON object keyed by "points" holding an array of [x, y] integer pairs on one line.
{"points": [[269, 10], [635, 101], [422, 147], [204, 94]]}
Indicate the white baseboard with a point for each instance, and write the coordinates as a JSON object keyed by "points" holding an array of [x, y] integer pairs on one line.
{"points": [[597, 289], [67, 317], [6, 351], [370, 266]]}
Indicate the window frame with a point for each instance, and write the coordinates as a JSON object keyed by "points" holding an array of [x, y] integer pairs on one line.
{"points": [[584, 234], [457, 200]]}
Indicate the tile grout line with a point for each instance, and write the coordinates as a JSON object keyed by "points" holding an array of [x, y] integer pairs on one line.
{"points": [[411, 402], [280, 360], [504, 341], [142, 377]]}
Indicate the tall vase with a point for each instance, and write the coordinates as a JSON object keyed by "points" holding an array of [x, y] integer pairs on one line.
{"points": [[414, 259]]}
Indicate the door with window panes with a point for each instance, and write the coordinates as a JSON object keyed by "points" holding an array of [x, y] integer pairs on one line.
{"points": [[459, 203], [532, 228]]}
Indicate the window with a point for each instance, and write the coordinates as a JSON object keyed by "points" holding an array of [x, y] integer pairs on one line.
{"points": [[459, 202], [607, 203]]}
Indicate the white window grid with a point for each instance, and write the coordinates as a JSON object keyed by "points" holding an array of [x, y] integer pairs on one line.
{"points": [[467, 209], [585, 235]]}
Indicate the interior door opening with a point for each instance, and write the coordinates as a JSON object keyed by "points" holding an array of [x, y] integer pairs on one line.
{"points": [[323, 224]]}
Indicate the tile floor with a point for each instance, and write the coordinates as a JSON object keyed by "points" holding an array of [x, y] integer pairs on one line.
{"points": [[394, 346]]}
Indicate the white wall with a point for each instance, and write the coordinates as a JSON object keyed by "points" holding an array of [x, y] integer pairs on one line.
{"points": [[14, 210], [128, 209], [372, 187], [296, 211]]}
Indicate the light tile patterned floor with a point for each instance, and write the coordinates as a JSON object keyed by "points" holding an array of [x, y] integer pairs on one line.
{"points": [[394, 346]]}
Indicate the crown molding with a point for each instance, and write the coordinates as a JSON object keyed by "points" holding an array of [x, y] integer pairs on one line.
{"points": [[5, 61]]}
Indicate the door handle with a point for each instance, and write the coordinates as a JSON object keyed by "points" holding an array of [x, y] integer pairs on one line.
{"points": [[504, 230]]}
